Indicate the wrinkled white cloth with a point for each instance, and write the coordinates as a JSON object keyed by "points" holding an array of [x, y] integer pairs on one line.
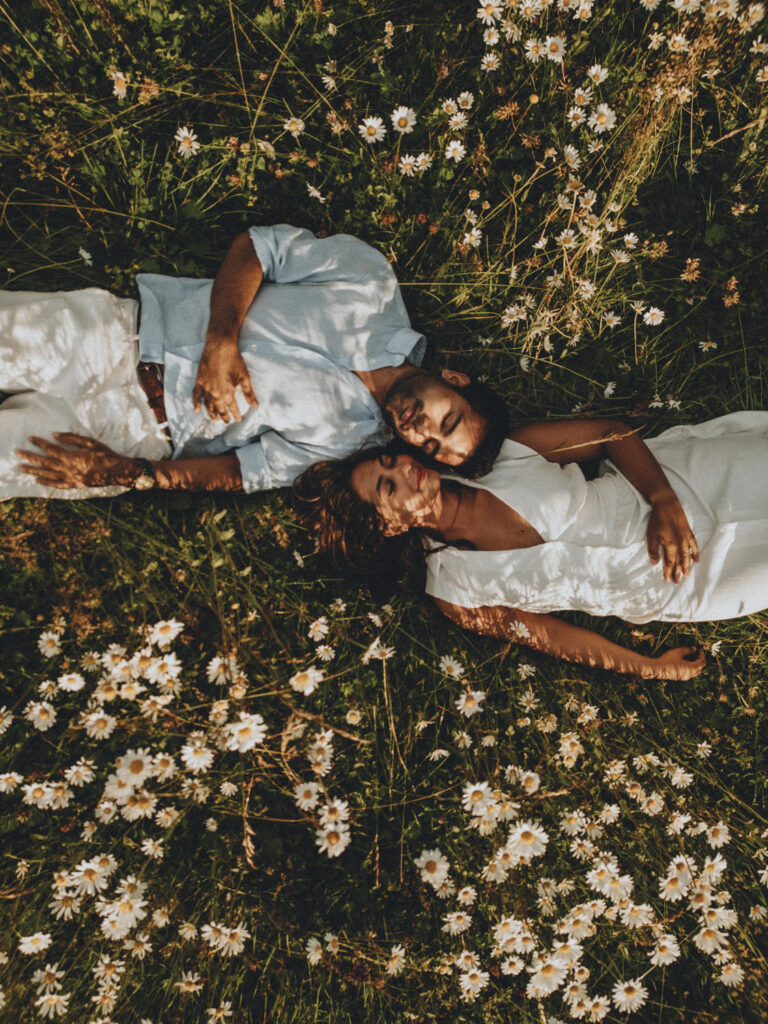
{"points": [[595, 557], [69, 361]]}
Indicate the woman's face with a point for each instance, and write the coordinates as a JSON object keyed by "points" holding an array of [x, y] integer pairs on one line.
{"points": [[403, 492]]}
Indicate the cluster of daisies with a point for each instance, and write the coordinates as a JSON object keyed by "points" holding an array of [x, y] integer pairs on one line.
{"points": [[51, 1001], [328, 815], [686, 910]]}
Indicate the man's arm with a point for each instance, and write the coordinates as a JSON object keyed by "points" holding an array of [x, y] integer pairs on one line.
{"points": [[222, 369], [562, 640], [579, 440], [84, 462]]}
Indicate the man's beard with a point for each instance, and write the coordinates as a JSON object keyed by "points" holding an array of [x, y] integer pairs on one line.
{"points": [[404, 389]]}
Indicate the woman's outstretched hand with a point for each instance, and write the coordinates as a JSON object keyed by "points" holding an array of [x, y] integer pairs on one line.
{"points": [[668, 527], [679, 663], [75, 463]]}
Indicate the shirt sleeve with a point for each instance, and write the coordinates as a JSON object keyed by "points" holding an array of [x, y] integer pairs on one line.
{"points": [[289, 255], [272, 461]]}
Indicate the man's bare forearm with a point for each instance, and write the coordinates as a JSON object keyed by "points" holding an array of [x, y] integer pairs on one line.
{"points": [[234, 289]]}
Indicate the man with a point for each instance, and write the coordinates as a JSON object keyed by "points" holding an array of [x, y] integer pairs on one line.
{"points": [[295, 352]]}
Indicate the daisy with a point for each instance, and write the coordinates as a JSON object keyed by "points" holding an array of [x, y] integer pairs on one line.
{"points": [[554, 48], [164, 632], [434, 867], [490, 12], [470, 703], [456, 922], [490, 62], [653, 316], [71, 682], [451, 667], [477, 797], [372, 129], [403, 119], [10, 781], [602, 118], [244, 734], [314, 951], [306, 681], [455, 151], [332, 840], [99, 725], [190, 982], [423, 162], [546, 976], [37, 943], [294, 126], [526, 840], [396, 961], [119, 84], [53, 1004], [196, 756], [718, 835], [134, 767], [187, 140], [710, 940], [731, 975], [465, 100], [629, 995], [597, 73], [407, 165], [318, 629], [48, 978], [40, 714], [473, 982], [48, 643], [234, 940]]}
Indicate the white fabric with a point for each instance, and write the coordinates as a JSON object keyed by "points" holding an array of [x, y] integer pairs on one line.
{"points": [[595, 557], [69, 360]]}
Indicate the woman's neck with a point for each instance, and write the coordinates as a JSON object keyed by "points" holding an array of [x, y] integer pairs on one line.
{"points": [[455, 518]]}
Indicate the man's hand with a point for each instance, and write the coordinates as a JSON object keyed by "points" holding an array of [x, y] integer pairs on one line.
{"points": [[222, 370], [668, 526], [84, 462]]}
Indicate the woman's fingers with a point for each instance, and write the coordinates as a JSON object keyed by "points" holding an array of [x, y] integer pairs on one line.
{"points": [[78, 440]]}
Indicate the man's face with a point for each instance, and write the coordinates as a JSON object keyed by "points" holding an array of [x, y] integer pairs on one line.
{"points": [[428, 413]]}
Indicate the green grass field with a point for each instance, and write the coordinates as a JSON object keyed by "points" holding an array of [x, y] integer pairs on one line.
{"points": [[572, 169]]}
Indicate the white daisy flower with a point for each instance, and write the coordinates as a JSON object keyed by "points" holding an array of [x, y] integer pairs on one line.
{"points": [[372, 129], [403, 119]]}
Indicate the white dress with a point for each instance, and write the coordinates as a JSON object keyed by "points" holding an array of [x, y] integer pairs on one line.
{"points": [[595, 557]]}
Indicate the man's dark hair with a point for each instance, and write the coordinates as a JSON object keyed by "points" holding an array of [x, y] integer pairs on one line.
{"points": [[491, 406]]}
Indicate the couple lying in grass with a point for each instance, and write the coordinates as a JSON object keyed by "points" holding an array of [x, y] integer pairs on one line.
{"points": [[301, 350]]}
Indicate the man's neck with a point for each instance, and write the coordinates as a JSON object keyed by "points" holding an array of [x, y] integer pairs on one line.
{"points": [[380, 381]]}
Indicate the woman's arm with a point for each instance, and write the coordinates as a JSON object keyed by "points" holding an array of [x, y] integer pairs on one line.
{"points": [[85, 462], [567, 441], [562, 640]]}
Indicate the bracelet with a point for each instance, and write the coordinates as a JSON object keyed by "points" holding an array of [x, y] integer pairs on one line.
{"points": [[146, 479]]}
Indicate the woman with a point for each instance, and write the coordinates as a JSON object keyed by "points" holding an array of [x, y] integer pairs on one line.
{"points": [[534, 536]]}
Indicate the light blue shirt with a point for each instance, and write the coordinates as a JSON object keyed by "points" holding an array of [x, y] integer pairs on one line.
{"points": [[327, 307]]}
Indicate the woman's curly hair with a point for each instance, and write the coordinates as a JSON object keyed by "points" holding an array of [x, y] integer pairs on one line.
{"points": [[349, 531]]}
